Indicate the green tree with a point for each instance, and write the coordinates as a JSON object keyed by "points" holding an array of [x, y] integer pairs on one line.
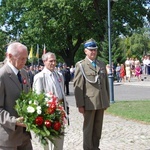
{"points": [[117, 52], [63, 25], [137, 45], [3, 38]]}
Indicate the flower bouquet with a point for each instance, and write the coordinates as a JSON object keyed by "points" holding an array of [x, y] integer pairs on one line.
{"points": [[42, 114]]}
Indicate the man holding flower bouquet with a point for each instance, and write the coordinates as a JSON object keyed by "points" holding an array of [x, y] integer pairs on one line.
{"points": [[13, 80], [49, 80]]}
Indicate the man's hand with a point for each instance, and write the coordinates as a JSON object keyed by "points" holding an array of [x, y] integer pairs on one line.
{"points": [[19, 122], [81, 110]]}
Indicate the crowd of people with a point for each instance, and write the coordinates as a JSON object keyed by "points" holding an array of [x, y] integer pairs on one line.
{"points": [[131, 68]]}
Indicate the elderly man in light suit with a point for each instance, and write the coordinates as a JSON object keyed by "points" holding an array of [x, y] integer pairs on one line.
{"points": [[92, 94], [12, 131], [49, 80]]}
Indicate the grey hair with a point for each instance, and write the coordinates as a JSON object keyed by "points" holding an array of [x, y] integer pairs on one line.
{"points": [[45, 56], [13, 48]]}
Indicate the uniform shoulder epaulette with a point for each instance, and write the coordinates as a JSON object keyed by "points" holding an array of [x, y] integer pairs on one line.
{"points": [[79, 62]]}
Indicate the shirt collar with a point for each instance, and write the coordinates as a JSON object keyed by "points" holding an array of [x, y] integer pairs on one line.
{"points": [[90, 60], [48, 71], [15, 70]]}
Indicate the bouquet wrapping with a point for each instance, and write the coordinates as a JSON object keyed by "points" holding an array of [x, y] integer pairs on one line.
{"points": [[42, 114]]}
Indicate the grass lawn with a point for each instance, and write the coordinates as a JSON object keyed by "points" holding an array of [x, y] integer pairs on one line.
{"points": [[134, 110]]}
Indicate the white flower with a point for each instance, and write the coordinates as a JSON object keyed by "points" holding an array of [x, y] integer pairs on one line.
{"points": [[47, 94], [36, 102], [30, 102], [38, 107], [46, 99], [30, 109], [50, 94], [39, 111]]}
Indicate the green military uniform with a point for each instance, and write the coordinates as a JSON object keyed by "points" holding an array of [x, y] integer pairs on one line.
{"points": [[91, 92]]}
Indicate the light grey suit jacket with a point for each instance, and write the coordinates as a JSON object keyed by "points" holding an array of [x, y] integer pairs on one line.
{"points": [[43, 83], [10, 88], [92, 96]]}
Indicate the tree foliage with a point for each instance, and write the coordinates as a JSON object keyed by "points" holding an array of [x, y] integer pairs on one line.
{"points": [[63, 25], [136, 45]]}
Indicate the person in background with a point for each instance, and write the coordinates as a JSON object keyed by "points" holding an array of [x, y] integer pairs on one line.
{"points": [[13, 79], [36, 70], [146, 63], [60, 68], [122, 73], [67, 78], [128, 72], [136, 62], [108, 69], [31, 73], [49, 80], [91, 90], [132, 69], [127, 62], [138, 71], [72, 70], [118, 73]]}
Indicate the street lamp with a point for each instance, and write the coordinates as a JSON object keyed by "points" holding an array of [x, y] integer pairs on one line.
{"points": [[110, 75]]}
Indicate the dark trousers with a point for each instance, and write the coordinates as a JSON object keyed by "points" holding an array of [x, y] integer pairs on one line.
{"points": [[92, 129], [66, 87], [26, 144]]}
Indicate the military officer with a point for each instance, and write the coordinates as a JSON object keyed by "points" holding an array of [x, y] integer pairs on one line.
{"points": [[92, 94]]}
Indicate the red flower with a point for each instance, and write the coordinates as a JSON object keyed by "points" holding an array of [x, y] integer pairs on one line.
{"points": [[53, 105], [39, 120], [50, 110], [47, 123], [56, 126], [54, 98]]}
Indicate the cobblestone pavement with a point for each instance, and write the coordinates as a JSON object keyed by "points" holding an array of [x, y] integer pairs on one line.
{"points": [[118, 134]]}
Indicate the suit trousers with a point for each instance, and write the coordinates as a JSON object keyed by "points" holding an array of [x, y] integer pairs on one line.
{"points": [[58, 144], [92, 129], [26, 144]]}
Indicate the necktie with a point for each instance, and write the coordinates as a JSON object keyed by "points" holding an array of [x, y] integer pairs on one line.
{"points": [[94, 64], [19, 77]]}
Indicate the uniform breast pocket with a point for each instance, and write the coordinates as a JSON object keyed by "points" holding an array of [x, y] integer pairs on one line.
{"points": [[90, 76]]}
